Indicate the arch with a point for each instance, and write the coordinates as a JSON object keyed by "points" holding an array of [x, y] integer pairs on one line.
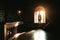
{"points": [[39, 15]]}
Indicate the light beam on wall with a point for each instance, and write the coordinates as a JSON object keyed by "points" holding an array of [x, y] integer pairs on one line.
{"points": [[39, 35]]}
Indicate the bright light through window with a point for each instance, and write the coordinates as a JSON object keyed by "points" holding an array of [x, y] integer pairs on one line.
{"points": [[39, 15]]}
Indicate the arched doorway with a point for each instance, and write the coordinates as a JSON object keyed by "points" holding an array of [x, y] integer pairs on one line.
{"points": [[39, 15]]}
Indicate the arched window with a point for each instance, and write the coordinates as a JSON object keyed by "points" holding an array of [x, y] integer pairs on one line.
{"points": [[39, 15]]}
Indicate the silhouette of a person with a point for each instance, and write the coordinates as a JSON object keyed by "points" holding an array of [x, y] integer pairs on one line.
{"points": [[39, 18]]}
